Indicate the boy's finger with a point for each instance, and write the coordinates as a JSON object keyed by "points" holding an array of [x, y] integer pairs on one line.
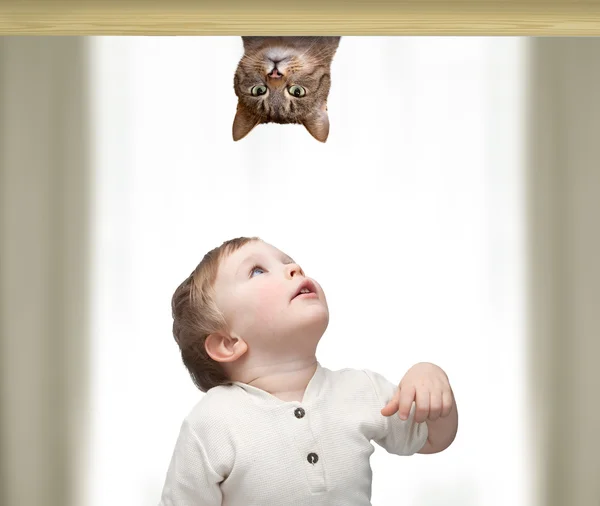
{"points": [[423, 404], [447, 402], [406, 398], [435, 405], [391, 407]]}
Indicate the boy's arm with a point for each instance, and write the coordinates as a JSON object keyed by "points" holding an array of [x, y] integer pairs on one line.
{"points": [[425, 393], [191, 479], [396, 436]]}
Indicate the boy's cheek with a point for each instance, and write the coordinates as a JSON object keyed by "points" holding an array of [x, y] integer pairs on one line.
{"points": [[268, 299], [268, 303]]}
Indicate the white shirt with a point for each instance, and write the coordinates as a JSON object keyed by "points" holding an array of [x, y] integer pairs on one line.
{"points": [[241, 446]]}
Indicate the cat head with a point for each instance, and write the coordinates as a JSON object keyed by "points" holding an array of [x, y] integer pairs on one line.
{"points": [[284, 80]]}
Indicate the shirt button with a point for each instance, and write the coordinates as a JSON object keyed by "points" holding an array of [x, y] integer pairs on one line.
{"points": [[313, 458], [299, 412]]}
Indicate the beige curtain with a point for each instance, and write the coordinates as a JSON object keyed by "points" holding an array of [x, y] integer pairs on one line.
{"points": [[44, 201], [564, 267]]}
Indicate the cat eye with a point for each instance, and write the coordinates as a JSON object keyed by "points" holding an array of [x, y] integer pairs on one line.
{"points": [[258, 90], [297, 91]]}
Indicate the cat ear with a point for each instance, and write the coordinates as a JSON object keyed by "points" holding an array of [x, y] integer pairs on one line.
{"points": [[250, 41], [318, 125], [243, 122]]}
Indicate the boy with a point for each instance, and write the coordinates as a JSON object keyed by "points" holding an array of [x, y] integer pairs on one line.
{"points": [[276, 428]]}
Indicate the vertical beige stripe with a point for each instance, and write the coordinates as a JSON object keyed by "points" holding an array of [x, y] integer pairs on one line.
{"points": [[564, 239], [43, 270]]}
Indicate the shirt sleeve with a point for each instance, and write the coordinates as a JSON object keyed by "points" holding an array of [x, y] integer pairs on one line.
{"points": [[400, 437], [191, 479]]}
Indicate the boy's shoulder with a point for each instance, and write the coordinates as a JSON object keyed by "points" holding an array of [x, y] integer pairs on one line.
{"points": [[353, 378], [352, 374], [360, 382], [347, 373], [216, 408]]}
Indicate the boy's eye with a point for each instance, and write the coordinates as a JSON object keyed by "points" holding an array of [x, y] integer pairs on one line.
{"points": [[256, 270]]}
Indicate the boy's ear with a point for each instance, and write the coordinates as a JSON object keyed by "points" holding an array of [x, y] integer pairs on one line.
{"points": [[224, 348]]}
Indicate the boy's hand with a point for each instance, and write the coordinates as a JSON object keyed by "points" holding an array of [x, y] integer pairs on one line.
{"points": [[428, 386]]}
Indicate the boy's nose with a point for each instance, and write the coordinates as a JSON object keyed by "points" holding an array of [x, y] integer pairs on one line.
{"points": [[293, 270]]}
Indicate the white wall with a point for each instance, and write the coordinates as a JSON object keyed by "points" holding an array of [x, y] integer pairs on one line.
{"points": [[410, 216]]}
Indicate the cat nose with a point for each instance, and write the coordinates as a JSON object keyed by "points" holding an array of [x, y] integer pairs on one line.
{"points": [[275, 74]]}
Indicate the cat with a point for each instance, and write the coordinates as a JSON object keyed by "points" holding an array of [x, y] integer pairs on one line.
{"points": [[284, 80]]}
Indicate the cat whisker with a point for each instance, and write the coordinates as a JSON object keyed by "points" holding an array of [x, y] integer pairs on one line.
{"points": [[322, 51], [253, 59], [309, 48], [322, 56]]}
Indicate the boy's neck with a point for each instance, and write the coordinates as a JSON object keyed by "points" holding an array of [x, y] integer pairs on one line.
{"points": [[286, 381]]}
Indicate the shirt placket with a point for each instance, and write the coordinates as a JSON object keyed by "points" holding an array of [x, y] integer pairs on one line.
{"points": [[308, 448]]}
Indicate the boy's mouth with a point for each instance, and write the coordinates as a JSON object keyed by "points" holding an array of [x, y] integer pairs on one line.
{"points": [[307, 289]]}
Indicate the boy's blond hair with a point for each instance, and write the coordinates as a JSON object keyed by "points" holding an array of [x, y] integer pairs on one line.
{"points": [[196, 315]]}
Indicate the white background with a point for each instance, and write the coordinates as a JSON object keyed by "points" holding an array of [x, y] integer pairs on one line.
{"points": [[410, 216]]}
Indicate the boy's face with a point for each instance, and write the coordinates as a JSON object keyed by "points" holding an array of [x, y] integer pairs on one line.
{"points": [[258, 290]]}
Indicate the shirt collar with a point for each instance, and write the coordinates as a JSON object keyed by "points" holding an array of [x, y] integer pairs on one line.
{"points": [[313, 390]]}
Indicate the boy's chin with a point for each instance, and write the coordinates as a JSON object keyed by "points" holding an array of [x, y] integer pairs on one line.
{"points": [[312, 328]]}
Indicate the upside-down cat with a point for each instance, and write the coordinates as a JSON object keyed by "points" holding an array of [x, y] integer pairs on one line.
{"points": [[284, 80]]}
